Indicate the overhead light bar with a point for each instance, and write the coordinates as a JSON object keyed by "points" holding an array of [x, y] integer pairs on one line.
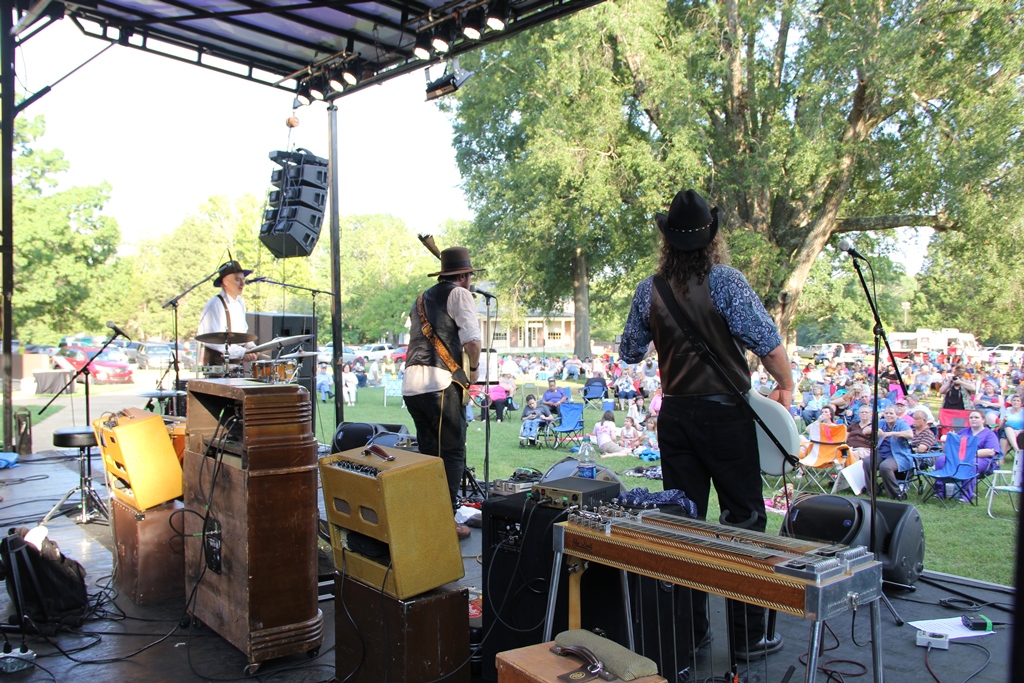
{"points": [[497, 15]]}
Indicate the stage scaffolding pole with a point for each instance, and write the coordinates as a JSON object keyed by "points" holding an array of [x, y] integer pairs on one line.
{"points": [[7, 209], [336, 333]]}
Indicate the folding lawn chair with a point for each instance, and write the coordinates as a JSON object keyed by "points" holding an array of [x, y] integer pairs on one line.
{"points": [[1011, 487], [823, 455], [958, 470], [593, 396], [952, 420], [567, 428]]}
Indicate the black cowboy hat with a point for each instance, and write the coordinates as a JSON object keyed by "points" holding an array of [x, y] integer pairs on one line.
{"points": [[230, 268], [689, 225]]}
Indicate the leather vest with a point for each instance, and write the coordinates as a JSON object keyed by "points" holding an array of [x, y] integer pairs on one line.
{"points": [[683, 373], [421, 350]]}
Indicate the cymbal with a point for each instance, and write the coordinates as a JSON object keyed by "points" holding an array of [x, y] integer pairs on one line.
{"points": [[225, 338], [279, 342], [297, 354], [162, 394]]}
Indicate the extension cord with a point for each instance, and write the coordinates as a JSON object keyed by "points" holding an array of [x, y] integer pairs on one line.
{"points": [[16, 661], [938, 641]]}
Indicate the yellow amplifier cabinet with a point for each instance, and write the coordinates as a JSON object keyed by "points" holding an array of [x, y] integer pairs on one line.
{"points": [[393, 512], [143, 470]]}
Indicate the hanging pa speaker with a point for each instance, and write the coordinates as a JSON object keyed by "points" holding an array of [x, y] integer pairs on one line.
{"points": [[899, 532]]}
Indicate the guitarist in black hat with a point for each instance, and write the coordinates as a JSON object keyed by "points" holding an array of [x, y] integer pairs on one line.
{"points": [[444, 325], [705, 435]]}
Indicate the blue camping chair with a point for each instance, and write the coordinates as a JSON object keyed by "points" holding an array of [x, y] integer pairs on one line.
{"points": [[958, 470], [593, 396], [568, 426]]}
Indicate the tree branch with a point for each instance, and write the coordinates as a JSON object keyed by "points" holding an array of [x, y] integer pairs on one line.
{"points": [[938, 222]]}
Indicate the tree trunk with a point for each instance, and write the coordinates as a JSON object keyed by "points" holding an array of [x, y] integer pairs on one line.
{"points": [[581, 301]]}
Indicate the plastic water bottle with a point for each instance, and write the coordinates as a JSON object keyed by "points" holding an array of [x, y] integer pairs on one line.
{"points": [[587, 467]]}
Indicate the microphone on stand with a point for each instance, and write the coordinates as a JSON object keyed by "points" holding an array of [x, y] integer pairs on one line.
{"points": [[477, 290], [117, 330], [847, 246], [254, 280]]}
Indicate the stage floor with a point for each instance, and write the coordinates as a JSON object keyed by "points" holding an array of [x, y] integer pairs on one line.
{"points": [[178, 654]]}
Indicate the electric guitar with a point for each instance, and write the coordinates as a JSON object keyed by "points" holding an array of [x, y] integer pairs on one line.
{"points": [[781, 424]]}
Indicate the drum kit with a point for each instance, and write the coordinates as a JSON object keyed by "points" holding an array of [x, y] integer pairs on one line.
{"points": [[280, 370]]}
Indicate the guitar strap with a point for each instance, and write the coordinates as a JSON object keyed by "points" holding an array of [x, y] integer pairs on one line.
{"points": [[458, 374], [708, 356]]}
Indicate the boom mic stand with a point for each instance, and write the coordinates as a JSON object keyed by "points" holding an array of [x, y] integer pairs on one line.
{"points": [[879, 334], [90, 499], [173, 303]]}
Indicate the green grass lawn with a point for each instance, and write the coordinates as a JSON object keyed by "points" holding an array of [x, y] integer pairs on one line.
{"points": [[962, 540]]}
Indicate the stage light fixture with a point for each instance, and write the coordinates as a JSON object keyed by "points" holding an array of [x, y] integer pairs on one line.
{"points": [[302, 95], [473, 23], [318, 87], [442, 37], [336, 81], [422, 48], [352, 72], [497, 15]]}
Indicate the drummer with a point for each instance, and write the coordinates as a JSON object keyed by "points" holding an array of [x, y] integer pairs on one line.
{"points": [[225, 312]]}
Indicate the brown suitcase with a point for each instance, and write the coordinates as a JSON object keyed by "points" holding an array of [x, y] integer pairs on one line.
{"points": [[537, 664], [419, 639], [150, 553]]}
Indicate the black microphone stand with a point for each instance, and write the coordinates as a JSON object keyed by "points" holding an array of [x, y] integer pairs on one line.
{"points": [[312, 375], [470, 482], [879, 334], [173, 303], [89, 496]]}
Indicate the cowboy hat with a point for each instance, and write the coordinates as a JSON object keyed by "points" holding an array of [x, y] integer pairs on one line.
{"points": [[689, 225], [230, 268], [455, 261]]}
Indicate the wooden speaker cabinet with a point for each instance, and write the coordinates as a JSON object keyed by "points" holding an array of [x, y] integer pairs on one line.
{"points": [[425, 638], [253, 564], [150, 551]]}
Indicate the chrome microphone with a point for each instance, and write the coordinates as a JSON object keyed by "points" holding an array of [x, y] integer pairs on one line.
{"points": [[477, 290], [117, 330], [847, 246]]}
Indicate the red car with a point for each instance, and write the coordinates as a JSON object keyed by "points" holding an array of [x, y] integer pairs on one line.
{"points": [[399, 354], [103, 370]]}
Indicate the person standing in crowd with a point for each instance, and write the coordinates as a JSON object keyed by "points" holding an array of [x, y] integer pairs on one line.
{"points": [[705, 435], [432, 390], [225, 312]]}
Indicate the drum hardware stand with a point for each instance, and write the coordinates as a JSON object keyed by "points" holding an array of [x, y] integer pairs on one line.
{"points": [[92, 504], [173, 303], [339, 409]]}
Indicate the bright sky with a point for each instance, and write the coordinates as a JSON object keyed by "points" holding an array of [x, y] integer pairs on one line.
{"points": [[167, 135]]}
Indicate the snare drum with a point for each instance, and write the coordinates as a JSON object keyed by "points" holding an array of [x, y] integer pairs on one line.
{"points": [[274, 371]]}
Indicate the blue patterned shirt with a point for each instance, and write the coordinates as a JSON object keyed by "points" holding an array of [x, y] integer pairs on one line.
{"points": [[733, 298]]}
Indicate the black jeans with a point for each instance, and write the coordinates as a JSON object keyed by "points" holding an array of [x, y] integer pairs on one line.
{"points": [[440, 420], [704, 442]]}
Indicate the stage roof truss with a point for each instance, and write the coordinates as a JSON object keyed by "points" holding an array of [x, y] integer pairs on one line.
{"points": [[284, 43]]}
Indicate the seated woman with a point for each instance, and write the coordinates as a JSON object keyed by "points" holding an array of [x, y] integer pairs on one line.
{"points": [[893, 451], [607, 436], [988, 399], [858, 434], [988, 449], [638, 410], [813, 404], [624, 390], [1013, 423], [496, 397]]}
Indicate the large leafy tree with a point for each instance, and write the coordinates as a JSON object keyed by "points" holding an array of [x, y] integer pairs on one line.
{"points": [[801, 120], [65, 255]]}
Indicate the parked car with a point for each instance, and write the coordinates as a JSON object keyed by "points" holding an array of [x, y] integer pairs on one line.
{"points": [[399, 354], [1004, 353], [131, 349], [326, 354], [103, 370], [154, 356], [376, 351], [44, 349]]}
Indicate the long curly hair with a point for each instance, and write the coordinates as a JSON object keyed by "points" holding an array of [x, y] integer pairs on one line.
{"points": [[679, 266]]}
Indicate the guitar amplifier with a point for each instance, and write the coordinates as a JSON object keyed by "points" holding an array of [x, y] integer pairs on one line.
{"points": [[391, 519], [142, 467]]}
